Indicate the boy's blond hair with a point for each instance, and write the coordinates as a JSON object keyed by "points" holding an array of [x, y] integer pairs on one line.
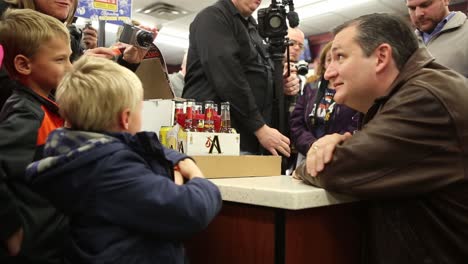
{"points": [[95, 92], [29, 4], [23, 31]]}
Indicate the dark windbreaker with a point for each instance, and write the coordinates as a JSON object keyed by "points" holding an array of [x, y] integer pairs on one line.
{"points": [[119, 193]]}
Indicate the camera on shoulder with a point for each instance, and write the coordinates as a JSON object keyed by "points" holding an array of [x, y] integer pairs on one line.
{"points": [[136, 36], [272, 21]]}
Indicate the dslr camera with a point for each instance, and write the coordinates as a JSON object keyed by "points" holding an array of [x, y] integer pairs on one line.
{"points": [[136, 36], [302, 68]]}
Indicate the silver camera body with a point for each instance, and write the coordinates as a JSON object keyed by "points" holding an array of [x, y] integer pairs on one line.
{"points": [[136, 36], [302, 68]]}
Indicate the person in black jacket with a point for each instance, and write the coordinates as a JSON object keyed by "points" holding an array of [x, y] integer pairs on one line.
{"points": [[228, 61]]}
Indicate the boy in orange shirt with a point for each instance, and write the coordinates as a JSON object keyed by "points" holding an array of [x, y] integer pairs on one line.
{"points": [[36, 55]]}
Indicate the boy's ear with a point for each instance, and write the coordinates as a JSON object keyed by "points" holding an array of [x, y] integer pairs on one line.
{"points": [[22, 64], [124, 119]]}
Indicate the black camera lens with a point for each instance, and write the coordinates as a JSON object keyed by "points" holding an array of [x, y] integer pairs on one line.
{"points": [[302, 69], [144, 38], [275, 22]]}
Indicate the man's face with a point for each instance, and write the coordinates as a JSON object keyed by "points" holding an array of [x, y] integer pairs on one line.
{"points": [[246, 7], [351, 73], [49, 64], [297, 39], [56, 8], [426, 14]]}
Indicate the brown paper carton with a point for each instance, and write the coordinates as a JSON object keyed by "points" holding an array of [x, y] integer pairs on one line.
{"points": [[239, 166], [155, 82]]}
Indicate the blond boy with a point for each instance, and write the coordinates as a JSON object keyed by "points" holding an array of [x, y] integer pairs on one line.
{"points": [[36, 55], [136, 213]]}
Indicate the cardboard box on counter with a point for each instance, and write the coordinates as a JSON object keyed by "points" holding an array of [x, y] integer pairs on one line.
{"points": [[239, 166], [204, 143]]}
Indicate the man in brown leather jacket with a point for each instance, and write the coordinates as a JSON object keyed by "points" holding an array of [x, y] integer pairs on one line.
{"points": [[410, 159]]}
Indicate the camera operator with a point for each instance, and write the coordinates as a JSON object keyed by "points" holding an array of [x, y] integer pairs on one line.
{"points": [[227, 61], [296, 47]]}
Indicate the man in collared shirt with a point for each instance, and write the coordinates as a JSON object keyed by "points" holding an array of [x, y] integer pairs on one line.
{"points": [[444, 33], [227, 61]]}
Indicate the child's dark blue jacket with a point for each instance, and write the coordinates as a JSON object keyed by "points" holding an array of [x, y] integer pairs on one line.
{"points": [[119, 193]]}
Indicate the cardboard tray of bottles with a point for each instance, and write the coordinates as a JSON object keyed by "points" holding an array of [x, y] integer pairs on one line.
{"points": [[217, 154], [203, 143]]}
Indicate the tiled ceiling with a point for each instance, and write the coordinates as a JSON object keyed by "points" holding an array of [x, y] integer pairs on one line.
{"points": [[316, 24]]}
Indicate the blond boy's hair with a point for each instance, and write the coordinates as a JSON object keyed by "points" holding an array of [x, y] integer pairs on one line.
{"points": [[23, 31], [29, 4], [95, 92]]}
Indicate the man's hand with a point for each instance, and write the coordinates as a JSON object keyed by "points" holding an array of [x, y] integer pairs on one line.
{"points": [[291, 83], [321, 152], [90, 37], [188, 169], [273, 141], [14, 242]]}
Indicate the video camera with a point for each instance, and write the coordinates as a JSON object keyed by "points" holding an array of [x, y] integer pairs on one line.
{"points": [[272, 20]]}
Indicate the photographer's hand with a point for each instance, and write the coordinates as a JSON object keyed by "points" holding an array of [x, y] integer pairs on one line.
{"points": [[90, 37], [133, 54], [13, 243], [273, 141], [291, 83]]}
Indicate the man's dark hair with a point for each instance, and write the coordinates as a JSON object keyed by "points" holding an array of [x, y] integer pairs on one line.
{"points": [[376, 29]]}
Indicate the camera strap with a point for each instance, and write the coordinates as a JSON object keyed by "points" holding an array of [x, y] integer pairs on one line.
{"points": [[257, 40]]}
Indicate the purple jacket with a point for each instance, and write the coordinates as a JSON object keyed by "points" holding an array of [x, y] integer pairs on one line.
{"points": [[303, 133]]}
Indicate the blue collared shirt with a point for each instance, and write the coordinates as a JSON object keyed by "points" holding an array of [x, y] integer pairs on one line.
{"points": [[428, 36]]}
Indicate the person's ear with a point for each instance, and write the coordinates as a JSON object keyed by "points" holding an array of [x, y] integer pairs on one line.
{"points": [[124, 119], [384, 57], [22, 64]]}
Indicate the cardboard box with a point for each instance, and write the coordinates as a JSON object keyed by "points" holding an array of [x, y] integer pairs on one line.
{"points": [[239, 166], [157, 113], [154, 78], [204, 143]]}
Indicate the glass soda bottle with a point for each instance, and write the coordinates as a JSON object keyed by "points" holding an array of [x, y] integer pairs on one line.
{"points": [[189, 112], [209, 116], [225, 118], [178, 112], [197, 121]]}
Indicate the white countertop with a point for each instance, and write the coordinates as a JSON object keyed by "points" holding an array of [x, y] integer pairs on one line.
{"points": [[277, 191]]}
